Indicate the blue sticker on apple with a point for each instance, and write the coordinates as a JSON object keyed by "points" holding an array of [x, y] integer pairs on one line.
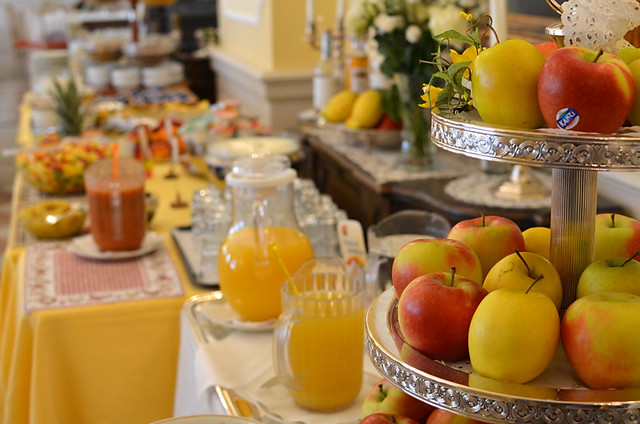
{"points": [[567, 118]]}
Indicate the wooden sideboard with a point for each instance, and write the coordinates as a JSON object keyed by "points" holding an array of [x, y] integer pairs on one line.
{"points": [[368, 201]]}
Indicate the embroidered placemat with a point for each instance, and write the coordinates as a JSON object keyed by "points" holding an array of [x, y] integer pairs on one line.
{"points": [[58, 278]]}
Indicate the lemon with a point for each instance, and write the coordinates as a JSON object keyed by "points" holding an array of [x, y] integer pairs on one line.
{"points": [[339, 106], [367, 110]]}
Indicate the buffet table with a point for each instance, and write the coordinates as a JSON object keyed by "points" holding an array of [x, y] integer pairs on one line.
{"points": [[87, 341]]}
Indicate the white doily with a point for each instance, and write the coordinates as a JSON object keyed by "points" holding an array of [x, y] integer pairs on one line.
{"points": [[480, 189], [599, 24]]}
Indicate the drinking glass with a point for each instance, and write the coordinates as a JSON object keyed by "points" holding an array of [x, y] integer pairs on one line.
{"points": [[387, 237], [319, 337]]}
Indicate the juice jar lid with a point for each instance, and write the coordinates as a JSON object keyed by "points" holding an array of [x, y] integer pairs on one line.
{"points": [[261, 171]]}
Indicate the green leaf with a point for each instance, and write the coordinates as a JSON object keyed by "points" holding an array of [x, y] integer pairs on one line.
{"points": [[452, 34]]}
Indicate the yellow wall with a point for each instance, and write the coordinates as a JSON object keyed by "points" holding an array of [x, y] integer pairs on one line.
{"points": [[277, 42]]}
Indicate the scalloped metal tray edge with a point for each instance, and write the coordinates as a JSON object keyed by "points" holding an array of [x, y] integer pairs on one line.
{"points": [[450, 385], [467, 134]]}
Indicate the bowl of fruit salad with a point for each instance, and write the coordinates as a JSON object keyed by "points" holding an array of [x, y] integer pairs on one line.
{"points": [[58, 168]]}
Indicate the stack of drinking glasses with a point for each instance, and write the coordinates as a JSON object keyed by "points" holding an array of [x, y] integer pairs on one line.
{"points": [[317, 216], [210, 221], [211, 217]]}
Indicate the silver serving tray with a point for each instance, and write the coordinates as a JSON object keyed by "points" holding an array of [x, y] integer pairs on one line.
{"points": [[557, 396], [465, 133]]}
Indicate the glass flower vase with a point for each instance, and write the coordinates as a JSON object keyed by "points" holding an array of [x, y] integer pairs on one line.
{"points": [[416, 152]]}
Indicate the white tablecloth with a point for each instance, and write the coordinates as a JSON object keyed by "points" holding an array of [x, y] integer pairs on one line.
{"points": [[242, 361]]}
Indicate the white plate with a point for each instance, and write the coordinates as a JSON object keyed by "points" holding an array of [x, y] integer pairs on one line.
{"points": [[226, 151], [85, 246], [278, 407], [219, 312], [206, 419]]}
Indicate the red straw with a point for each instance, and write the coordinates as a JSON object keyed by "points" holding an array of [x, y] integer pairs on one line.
{"points": [[114, 161]]}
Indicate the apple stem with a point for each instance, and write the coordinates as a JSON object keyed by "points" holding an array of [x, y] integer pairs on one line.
{"points": [[526, 265], [630, 259], [613, 220], [538, 278], [600, 53], [453, 274], [482, 216]]}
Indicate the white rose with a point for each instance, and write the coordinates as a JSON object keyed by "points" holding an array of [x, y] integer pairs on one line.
{"points": [[446, 18], [422, 14], [467, 4], [413, 33], [388, 23]]}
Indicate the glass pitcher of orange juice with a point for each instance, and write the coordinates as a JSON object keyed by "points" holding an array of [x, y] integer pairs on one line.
{"points": [[264, 236]]}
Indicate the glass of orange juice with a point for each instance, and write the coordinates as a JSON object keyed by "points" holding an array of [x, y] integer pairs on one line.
{"points": [[319, 338]]}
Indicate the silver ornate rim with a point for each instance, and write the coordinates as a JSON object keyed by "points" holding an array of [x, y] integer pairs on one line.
{"points": [[466, 134], [477, 403]]}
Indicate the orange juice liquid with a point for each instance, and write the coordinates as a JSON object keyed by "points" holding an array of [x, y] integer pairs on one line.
{"points": [[326, 352], [251, 283]]}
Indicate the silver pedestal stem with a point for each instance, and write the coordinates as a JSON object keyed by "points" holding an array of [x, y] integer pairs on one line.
{"points": [[573, 211]]}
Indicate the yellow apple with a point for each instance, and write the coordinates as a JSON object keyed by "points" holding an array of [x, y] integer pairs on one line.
{"points": [[610, 275], [519, 270], [629, 54], [538, 240], [505, 84], [634, 115], [513, 335]]}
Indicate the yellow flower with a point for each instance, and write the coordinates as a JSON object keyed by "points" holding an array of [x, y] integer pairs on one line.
{"points": [[430, 95], [466, 16], [469, 55]]}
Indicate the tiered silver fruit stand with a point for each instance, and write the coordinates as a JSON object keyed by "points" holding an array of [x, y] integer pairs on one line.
{"points": [[557, 396]]}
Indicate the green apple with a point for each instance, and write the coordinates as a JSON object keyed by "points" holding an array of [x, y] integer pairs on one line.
{"points": [[538, 240], [616, 236], [513, 335], [610, 275], [629, 54], [518, 270], [600, 340]]}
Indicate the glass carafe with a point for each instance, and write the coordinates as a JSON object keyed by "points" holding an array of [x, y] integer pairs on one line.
{"points": [[264, 231]]}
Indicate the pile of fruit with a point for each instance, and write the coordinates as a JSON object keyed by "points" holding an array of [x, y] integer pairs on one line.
{"points": [[53, 219], [359, 111], [159, 140], [489, 293], [59, 168], [518, 84]]}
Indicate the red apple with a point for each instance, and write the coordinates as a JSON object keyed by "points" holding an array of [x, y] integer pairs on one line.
{"points": [[386, 419], [600, 342], [424, 256], [442, 416], [616, 236], [584, 90], [385, 398], [490, 237], [435, 311]]}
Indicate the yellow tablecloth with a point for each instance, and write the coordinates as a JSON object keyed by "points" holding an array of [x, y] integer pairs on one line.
{"points": [[109, 363]]}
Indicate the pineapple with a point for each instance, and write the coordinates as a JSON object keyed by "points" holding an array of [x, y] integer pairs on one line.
{"points": [[68, 104]]}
